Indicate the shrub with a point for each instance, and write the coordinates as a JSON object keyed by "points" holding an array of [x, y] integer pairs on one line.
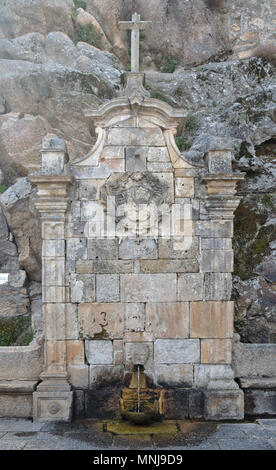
{"points": [[182, 142], [169, 65], [87, 33], [3, 188], [80, 4], [266, 51]]}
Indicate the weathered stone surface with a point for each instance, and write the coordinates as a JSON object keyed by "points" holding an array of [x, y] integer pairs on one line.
{"points": [[167, 351], [101, 320], [76, 248], [168, 250], [260, 402], [99, 352], [184, 187], [171, 375], [107, 287], [136, 158], [105, 376], [216, 351], [138, 249], [13, 405], [158, 154], [132, 136], [60, 321], [205, 373], [148, 287], [82, 288], [134, 317], [75, 352], [168, 320], [169, 266], [139, 353], [190, 286], [218, 261], [254, 360], [78, 375], [217, 286], [221, 405], [102, 404], [21, 362], [105, 266], [213, 228], [220, 161], [102, 248], [211, 319]]}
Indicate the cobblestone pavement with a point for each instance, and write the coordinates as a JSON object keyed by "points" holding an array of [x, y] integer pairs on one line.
{"points": [[20, 434]]}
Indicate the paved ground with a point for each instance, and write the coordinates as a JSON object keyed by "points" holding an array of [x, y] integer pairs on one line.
{"points": [[19, 434]]}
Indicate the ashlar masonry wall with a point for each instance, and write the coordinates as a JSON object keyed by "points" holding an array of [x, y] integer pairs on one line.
{"points": [[139, 269]]}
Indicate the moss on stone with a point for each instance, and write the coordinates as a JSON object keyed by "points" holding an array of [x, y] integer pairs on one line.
{"points": [[16, 331]]}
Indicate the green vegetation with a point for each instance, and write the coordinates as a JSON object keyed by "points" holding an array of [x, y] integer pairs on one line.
{"points": [[170, 64], [16, 331], [3, 188], [87, 33], [158, 96], [183, 142], [214, 103]]}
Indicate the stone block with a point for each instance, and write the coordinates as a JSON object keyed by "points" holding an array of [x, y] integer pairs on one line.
{"points": [[82, 288], [60, 321], [172, 375], [216, 351], [111, 152], [102, 404], [254, 360], [118, 351], [78, 375], [224, 405], [101, 376], [76, 248], [184, 187], [53, 248], [136, 158], [176, 351], [53, 272], [166, 179], [168, 320], [131, 248], [158, 154], [89, 189], [211, 319], [55, 294], [136, 136], [134, 317], [21, 362], [104, 266], [167, 249], [169, 266], [102, 248], [213, 228], [190, 286], [52, 230], [205, 373], [219, 161], [79, 405], [107, 287], [138, 337], [260, 402], [148, 287], [16, 405], [218, 261], [52, 406], [102, 320], [176, 403], [99, 352], [218, 286], [75, 352], [160, 166], [196, 404], [216, 243]]}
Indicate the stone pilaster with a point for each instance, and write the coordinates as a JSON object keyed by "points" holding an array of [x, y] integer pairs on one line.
{"points": [[53, 398]]}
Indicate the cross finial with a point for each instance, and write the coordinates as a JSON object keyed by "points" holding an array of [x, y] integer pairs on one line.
{"points": [[135, 25]]}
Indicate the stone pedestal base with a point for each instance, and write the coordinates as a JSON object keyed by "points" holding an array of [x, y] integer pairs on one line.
{"points": [[224, 405], [52, 406]]}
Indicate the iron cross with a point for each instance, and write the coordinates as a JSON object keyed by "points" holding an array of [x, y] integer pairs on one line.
{"points": [[135, 25]]}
